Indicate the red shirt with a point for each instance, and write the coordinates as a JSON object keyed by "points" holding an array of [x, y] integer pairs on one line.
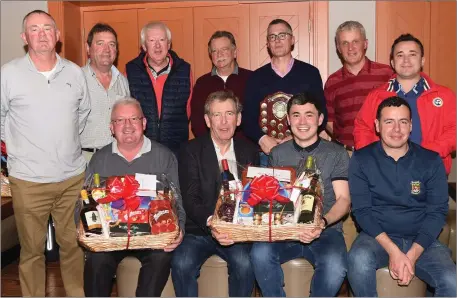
{"points": [[345, 94]]}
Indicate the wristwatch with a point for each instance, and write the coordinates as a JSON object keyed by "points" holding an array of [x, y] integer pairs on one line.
{"points": [[325, 222]]}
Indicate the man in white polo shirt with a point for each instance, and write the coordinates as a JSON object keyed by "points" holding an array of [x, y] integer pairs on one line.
{"points": [[44, 107], [106, 85]]}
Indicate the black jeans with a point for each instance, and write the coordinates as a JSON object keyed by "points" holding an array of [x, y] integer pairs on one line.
{"points": [[100, 268]]}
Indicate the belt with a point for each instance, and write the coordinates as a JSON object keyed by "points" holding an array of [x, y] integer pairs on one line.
{"points": [[93, 150], [348, 148]]}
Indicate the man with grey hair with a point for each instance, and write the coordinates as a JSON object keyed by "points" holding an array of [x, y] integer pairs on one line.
{"points": [[347, 88], [162, 82], [225, 74], [200, 180], [130, 153], [44, 107], [106, 85]]}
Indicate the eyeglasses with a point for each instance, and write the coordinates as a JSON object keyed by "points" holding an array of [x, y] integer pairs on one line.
{"points": [[133, 120], [222, 51], [280, 36]]}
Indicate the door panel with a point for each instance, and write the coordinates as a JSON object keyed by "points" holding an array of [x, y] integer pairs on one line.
{"points": [[296, 13], [180, 22], [396, 18], [442, 47], [208, 20], [125, 23]]}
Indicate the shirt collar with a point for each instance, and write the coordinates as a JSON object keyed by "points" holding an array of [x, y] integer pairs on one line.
{"points": [[407, 154], [163, 71], [289, 67], [307, 149], [214, 70], [365, 69], [218, 149], [59, 64], [114, 71], [394, 86], [145, 148]]}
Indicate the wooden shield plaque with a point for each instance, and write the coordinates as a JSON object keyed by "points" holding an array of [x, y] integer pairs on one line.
{"points": [[273, 112]]}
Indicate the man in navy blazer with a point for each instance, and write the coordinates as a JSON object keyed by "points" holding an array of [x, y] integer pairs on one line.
{"points": [[200, 182]]}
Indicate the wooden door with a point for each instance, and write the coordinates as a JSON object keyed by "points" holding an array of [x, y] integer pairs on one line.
{"points": [[207, 20], [180, 22], [125, 23], [296, 13], [442, 44], [395, 18]]}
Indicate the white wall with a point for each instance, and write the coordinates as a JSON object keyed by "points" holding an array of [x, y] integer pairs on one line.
{"points": [[12, 13], [341, 11]]}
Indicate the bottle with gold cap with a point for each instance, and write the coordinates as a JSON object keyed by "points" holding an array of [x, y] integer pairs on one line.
{"points": [[90, 216], [308, 196], [97, 191]]}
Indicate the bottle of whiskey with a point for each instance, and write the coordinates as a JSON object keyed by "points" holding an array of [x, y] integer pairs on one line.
{"points": [[227, 209], [308, 196], [89, 214]]}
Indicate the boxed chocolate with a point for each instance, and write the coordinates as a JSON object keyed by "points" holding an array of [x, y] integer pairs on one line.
{"points": [[281, 213]]}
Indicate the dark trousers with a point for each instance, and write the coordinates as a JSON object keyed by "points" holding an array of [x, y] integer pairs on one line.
{"points": [[100, 268], [195, 250]]}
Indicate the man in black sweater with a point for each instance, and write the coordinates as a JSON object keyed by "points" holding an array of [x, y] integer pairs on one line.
{"points": [[285, 74], [200, 180]]}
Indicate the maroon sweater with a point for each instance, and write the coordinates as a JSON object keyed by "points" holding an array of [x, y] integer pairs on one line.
{"points": [[205, 85]]}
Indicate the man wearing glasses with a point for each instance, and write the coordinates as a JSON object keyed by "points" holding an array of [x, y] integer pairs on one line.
{"points": [[131, 152], [285, 74]]}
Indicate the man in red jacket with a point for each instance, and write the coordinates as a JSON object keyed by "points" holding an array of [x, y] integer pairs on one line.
{"points": [[432, 105], [225, 75]]}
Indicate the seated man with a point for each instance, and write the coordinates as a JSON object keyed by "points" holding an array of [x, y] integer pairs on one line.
{"points": [[131, 152], [323, 247], [400, 201], [200, 178]]}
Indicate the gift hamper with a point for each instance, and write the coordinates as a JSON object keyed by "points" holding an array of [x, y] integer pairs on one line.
{"points": [[271, 204], [128, 212], [5, 183]]}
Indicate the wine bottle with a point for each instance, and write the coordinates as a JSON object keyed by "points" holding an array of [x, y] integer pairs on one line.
{"points": [[308, 196], [97, 191], [227, 209], [89, 214]]}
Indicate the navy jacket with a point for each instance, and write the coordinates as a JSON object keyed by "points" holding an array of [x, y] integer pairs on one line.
{"points": [[171, 129], [264, 81], [407, 198]]}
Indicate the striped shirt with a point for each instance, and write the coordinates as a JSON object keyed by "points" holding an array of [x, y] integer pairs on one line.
{"points": [[345, 94]]}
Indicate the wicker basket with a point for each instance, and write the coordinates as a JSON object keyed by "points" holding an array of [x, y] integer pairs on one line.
{"points": [[263, 233], [100, 243]]}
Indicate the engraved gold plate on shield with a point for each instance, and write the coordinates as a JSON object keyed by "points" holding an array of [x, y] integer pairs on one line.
{"points": [[273, 112]]}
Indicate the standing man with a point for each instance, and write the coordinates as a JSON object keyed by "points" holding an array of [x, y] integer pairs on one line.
{"points": [[226, 74], [44, 107], [400, 200], [200, 180], [285, 74], [130, 153], [323, 247], [432, 105], [106, 85], [347, 88], [162, 83]]}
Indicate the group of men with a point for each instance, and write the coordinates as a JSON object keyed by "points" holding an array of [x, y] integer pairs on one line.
{"points": [[401, 124]]}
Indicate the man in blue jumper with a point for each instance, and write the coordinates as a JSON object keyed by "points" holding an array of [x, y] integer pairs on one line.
{"points": [[400, 200], [285, 74]]}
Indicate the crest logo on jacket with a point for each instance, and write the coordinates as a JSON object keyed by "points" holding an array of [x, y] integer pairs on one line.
{"points": [[437, 102], [415, 187]]}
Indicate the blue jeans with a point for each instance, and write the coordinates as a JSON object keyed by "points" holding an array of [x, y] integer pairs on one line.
{"points": [[263, 159], [195, 250], [434, 266], [327, 254]]}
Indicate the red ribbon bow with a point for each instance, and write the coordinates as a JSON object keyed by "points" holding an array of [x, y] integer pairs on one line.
{"points": [[123, 190], [116, 190], [265, 189]]}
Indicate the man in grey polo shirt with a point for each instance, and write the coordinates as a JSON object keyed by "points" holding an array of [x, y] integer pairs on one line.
{"points": [[323, 247], [44, 107], [131, 152], [106, 85]]}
